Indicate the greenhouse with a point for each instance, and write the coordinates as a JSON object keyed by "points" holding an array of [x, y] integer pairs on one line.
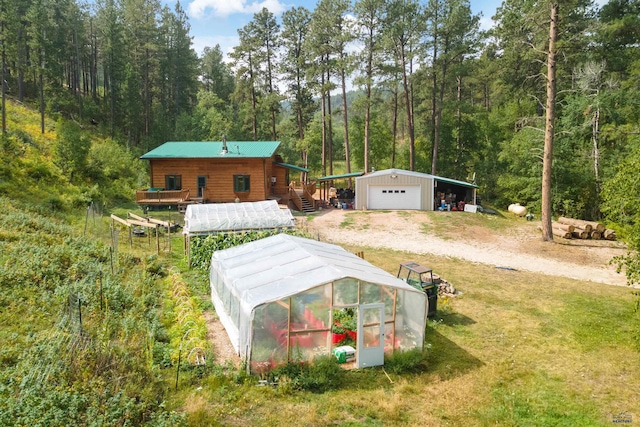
{"points": [[287, 298], [224, 217], [214, 218]]}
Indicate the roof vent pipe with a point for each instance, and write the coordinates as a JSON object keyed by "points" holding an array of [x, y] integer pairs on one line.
{"points": [[224, 144]]}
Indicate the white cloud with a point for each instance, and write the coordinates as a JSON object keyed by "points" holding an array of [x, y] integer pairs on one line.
{"points": [[486, 23], [227, 43], [200, 8]]}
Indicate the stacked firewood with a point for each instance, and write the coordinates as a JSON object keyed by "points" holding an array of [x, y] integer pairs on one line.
{"points": [[570, 228], [444, 288]]}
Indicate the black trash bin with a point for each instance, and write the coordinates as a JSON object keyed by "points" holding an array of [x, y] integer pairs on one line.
{"points": [[432, 297]]}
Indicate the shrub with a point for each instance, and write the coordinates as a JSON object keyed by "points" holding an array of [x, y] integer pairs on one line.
{"points": [[155, 267], [321, 375], [53, 203], [203, 247]]}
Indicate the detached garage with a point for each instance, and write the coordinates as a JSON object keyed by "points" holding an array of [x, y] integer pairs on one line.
{"points": [[397, 189]]}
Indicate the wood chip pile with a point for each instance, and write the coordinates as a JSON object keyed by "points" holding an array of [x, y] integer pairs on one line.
{"points": [[570, 228]]}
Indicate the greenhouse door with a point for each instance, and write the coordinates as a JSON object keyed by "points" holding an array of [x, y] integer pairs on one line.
{"points": [[370, 335]]}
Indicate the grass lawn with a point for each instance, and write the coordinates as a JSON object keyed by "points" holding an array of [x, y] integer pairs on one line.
{"points": [[515, 349]]}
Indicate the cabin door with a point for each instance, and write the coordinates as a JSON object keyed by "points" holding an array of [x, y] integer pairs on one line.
{"points": [[370, 335], [202, 184]]}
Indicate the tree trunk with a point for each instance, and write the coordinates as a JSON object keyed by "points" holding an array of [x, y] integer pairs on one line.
{"points": [[254, 103], [367, 127], [407, 100], [580, 233], [4, 92], [566, 227], [329, 123], [395, 122], [42, 97], [459, 122], [367, 114], [587, 225], [323, 113], [562, 233], [347, 156], [595, 126], [76, 75], [547, 233]]}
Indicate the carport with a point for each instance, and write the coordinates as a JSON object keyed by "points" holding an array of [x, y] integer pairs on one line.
{"points": [[328, 181]]}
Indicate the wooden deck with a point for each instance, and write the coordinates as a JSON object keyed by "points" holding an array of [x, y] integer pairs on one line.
{"points": [[162, 197]]}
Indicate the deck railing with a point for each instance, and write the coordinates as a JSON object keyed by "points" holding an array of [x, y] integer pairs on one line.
{"points": [[161, 196], [295, 198]]}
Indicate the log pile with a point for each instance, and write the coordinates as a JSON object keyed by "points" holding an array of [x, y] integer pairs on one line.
{"points": [[444, 288], [571, 228]]}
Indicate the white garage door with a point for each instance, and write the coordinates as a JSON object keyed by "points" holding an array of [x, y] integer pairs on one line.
{"points": [[394, 197]]}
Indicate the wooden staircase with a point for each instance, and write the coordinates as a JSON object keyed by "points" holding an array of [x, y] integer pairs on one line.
{"points": [[307, 205], [302, 201]]}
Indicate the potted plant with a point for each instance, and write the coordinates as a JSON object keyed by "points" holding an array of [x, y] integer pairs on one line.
{"points": [[350, 323], [338, 333]]}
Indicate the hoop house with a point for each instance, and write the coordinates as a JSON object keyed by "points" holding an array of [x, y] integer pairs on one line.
{"points": [[223, 217], [278, 297], [213, 218]]}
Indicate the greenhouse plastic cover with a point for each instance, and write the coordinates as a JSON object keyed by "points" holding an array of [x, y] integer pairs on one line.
{"points": [[279, 266], [217, 217]]}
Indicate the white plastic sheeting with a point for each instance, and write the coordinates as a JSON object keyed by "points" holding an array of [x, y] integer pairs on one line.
{"points": [[269, 270], [219, 217]]}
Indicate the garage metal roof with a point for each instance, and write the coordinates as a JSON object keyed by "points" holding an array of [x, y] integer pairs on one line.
{"points": [[344, 175], [419, 175], [213, 150]]}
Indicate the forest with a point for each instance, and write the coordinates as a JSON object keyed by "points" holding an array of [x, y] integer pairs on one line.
{"points": [[428, 90]]}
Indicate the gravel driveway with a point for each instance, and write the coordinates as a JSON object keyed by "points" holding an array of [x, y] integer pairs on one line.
{"points": [[524, 250]]}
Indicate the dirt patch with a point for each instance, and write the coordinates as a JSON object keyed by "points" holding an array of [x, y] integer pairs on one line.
{"points": [[223, 351], [519, 248]]}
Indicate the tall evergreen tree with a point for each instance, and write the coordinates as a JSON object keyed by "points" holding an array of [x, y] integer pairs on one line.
{"points": [[264, 33], [141, 44], [215, 73], [404, 25], [246, 91], [294, 67], [110, 34], [452, 36], [370, 18]]}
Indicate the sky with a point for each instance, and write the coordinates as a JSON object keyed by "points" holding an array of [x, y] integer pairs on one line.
{"points": [[217, 21]]}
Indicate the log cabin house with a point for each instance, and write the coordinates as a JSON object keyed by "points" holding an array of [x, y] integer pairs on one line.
{"points": [[182, 173]]}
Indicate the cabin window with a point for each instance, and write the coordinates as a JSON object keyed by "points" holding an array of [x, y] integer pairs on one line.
{"points": [[241, 183], [173, 182]]}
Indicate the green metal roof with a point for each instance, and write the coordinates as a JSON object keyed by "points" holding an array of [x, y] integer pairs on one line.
{"points": [[455, 182], [344, 175], [294, 167], [213, 150]]}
